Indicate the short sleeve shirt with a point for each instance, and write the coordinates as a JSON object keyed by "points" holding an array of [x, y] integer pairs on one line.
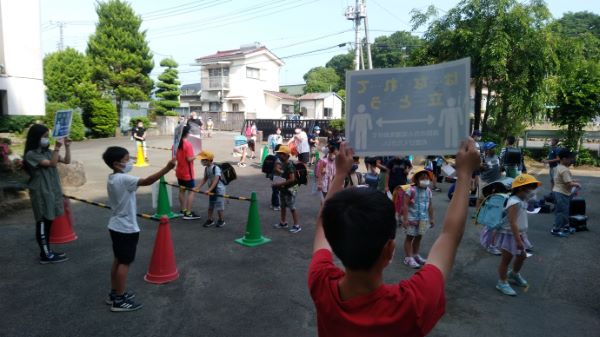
{"points": [[121, 199], [185, 169], [287, 169], [410, 308], [397, 171], [139, 131], [44, 186], [211, 173], [562, 177], [419, 207], [303, 146], [521, 215]]}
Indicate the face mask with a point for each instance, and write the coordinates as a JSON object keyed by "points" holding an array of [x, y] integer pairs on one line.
{"points": [[297, 131], [317, 132], [530, 195], [128, 166], [45, 142], [354, 167], [424, 183], [278, 132]]}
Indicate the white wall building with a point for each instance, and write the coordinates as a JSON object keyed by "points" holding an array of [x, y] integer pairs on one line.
{"points": [[242, 80], [321, 105], [21, 70]]}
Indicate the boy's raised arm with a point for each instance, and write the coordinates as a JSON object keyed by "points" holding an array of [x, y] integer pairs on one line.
{"points": [[443, 251], [149, 180], [343, 166]]}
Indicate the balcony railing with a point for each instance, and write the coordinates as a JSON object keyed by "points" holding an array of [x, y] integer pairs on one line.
{"points": [[215, 83]]}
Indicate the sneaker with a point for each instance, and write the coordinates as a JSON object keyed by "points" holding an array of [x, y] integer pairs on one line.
{"points": [[437, 189], [190, 216], [493, 250], [295, 229], [410, 261], [517, 279], [59, 254], [220, 223], [241, 164], [570, 230], [559, 233], [121, 304], [208, 223], [277, 208], [53, 258], [112, 296], [420, 260], [505, 288], [280, 225]]}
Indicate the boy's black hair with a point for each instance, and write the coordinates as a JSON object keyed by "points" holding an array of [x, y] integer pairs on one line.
{"points": [[184, 133], [113, 154], [511, 140], [358, 222]]}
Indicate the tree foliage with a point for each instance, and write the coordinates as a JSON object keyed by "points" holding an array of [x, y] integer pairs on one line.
{"points": [[103, 118], [168, 88], [321, 79], [342, 63], [575, 24], [510, 46], [120, 55], [395, 50]]}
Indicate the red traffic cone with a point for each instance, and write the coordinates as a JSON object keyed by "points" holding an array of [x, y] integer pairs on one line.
{"points": [[162, 266], [62, 226]]}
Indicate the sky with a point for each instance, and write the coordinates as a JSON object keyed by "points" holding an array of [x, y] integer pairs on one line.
{"points": [[304, 33]]}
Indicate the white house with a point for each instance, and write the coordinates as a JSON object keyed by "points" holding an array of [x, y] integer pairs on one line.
{"points": [[321, 105], [21, 71], [243, 80]]}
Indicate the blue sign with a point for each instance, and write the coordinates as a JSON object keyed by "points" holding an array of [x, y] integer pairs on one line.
{"points": [[417, 110], [62, 123]]}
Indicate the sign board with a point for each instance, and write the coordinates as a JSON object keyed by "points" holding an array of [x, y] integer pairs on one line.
{"points": [[417, 110], [62, 123], [177, 137]]}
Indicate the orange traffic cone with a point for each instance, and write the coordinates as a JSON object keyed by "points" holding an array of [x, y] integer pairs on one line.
{"points": [[162, 266], [62, 226]]}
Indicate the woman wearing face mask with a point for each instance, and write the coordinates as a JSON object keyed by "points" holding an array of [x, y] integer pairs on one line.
{"points": [[417, 217], [512, 237], [44, 186]]}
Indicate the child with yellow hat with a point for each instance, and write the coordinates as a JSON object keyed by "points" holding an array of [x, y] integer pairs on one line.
{"points": [[212, 176]]}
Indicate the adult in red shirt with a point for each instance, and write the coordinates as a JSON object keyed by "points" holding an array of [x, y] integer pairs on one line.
{"points": [[185, 175], [359, 226]]}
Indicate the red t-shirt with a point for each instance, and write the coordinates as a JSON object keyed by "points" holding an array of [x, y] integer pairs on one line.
{"points": [[409, 308], [184, 169]]}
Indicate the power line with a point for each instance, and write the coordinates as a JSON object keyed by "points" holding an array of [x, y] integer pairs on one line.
{"points": [[185, 11], [311, 40]]}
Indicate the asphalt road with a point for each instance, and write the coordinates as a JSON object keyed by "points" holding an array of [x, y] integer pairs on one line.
{"points": [[229, 290]]}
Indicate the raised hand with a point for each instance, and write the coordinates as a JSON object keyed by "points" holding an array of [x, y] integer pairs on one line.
{"points": [[467, 157], [344, 160]]}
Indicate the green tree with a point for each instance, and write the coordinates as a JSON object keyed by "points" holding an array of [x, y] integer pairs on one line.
{"points": [[168, 88], [395, 50], [321, 79], [342, 63], [511, 50], [574, 24], [103, 118], [120, 55]]}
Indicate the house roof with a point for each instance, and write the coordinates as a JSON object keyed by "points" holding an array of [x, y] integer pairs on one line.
{"points": [[238, 54], [191, 87], [280, 95], [317, 95]]}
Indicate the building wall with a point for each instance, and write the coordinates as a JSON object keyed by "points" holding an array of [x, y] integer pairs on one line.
{"points": [[335, 103], [21, 56]]}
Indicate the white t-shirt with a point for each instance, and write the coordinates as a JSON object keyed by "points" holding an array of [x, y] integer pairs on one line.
{"points": [[522, 223], [302, 143], [121, 198]]}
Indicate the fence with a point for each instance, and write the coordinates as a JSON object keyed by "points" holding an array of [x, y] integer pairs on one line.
{"points": [[268, 126]]}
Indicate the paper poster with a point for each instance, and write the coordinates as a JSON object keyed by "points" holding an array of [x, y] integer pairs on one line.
{"points": [[417, 110], [62, 123]]}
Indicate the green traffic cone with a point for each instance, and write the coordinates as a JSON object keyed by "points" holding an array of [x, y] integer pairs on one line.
{"points": [[253, 237], [316, 157], [265, 153], [163, 208]]}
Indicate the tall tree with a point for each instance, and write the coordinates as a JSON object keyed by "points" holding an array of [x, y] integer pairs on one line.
{"points": [[342, 63], [511, 52], [321, 79], [120, 55], [574, 24], [395, 50], [168, 88]]}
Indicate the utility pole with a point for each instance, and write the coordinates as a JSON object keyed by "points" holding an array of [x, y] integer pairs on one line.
{"points": [[357, 14], [61, 40]]}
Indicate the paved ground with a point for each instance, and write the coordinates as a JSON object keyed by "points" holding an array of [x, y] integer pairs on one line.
{"points": [[229, 290]]}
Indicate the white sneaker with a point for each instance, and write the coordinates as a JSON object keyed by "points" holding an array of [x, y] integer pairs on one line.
{"points": [[410, 261], [420, 260], [493, 250]]}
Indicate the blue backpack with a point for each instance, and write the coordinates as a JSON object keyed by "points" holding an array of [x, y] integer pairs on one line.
{"points": [[492, 212]]}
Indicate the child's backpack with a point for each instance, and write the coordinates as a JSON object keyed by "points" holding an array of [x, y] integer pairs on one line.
{"points": [[371, 180], [492, 212], [268, 165], [301, 173], [512, 156], [227, 173], [399, 195]]}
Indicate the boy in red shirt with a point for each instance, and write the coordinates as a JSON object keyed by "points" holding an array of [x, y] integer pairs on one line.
{"points": [[359, 226]]}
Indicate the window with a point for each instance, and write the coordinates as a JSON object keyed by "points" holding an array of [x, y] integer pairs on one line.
{"points": [[327, 112], [235, 107], [218, 72], [214, 107], [287, 108], [253, 73]]}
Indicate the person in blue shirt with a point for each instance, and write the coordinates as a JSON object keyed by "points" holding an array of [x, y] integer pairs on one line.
{"points": [[552, 160]]}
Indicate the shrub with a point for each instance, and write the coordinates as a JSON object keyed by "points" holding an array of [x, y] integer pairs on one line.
{"points": [[103, 118], [585, 157], [145, 120], [17, 123], [338, 124]]}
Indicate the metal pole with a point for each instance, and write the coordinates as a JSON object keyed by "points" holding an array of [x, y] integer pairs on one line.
{"points": [[356, 36], [370, 61]]}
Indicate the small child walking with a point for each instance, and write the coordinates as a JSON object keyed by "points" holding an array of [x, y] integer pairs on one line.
{"points": [[326, 172], [212, 176], [418, 217], [122, 225], [512, 237]]}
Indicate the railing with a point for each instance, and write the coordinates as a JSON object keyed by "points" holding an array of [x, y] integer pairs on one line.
{"points": [[215, 83]]}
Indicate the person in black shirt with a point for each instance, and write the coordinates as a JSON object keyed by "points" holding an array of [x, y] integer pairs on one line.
{"points": [[398, 169], [194, 118], [139, 135]]}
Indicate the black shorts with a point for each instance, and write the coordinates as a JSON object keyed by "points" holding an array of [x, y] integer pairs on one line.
{"points": [[303, 157], [251, 144], [124, 245], [187, 183]]}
